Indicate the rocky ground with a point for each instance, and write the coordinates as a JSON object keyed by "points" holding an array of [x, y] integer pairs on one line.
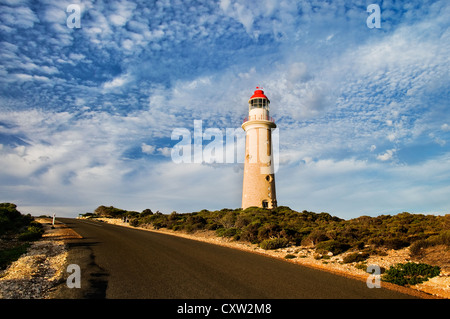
{"points": [[41, 268]]}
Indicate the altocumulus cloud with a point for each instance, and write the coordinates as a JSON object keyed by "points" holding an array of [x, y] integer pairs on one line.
{"points": [[86, 114]]}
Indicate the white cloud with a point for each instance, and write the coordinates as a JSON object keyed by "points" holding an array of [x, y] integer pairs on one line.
{"points": [[147, 149], [48, 69], [391, 137], [255, 17], [165, 151], [27, 77], [56, 13], [18, 17], [118, 20], [117, 82], [123, 11], [387, 155], [76, 56]]}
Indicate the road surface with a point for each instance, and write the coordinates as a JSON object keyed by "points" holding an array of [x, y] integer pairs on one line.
{"points": [[121, 262]]}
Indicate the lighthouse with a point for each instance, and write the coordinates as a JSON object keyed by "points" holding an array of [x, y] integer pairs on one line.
{"points": [[259, 178]]}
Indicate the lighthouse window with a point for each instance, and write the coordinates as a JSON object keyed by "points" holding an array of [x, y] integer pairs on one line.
{"points": [[256, 103], [259, 103], [265, 204]]}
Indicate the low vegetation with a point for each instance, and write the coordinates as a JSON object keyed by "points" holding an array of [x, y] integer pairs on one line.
{"points": [[355, 257], [418, 246], [8, 255], [410, 273], [16, 231], [13, 224], [282, 226]]}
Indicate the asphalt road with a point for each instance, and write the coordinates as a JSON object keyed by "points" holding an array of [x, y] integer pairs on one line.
{"points": [[121, 262]]}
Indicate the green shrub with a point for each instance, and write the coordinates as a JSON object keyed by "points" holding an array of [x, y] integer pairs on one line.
{"points": [[274, 243], [11, 220], [362, 266], [31, 233], [395, 243], [212, 226], [250, 232], [134, 222], [355, 257], [376, 241], [268, 231], [410, 273], [332, 246], [177, 227], [226, 232], [317, 236], [111, 212], [441, 239]]}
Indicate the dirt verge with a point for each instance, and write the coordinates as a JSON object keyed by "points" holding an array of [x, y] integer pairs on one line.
{"points": [[41, 268]]}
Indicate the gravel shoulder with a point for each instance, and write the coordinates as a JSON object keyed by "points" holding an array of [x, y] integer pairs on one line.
{"points": [[41, 268]]}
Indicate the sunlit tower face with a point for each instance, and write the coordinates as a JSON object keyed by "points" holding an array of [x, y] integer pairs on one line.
{"points": [[259, 178]]}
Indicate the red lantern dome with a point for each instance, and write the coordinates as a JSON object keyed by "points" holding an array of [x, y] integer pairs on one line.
{"points": [[259, 93]]}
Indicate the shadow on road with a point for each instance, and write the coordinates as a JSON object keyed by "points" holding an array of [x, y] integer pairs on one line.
{"points": [[94, 279]]}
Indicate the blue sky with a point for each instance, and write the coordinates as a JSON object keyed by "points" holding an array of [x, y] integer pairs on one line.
{"points": [[86, 114]]}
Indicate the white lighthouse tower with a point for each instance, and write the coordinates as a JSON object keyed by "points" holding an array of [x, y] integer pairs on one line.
{"points": [[259, 178]]}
